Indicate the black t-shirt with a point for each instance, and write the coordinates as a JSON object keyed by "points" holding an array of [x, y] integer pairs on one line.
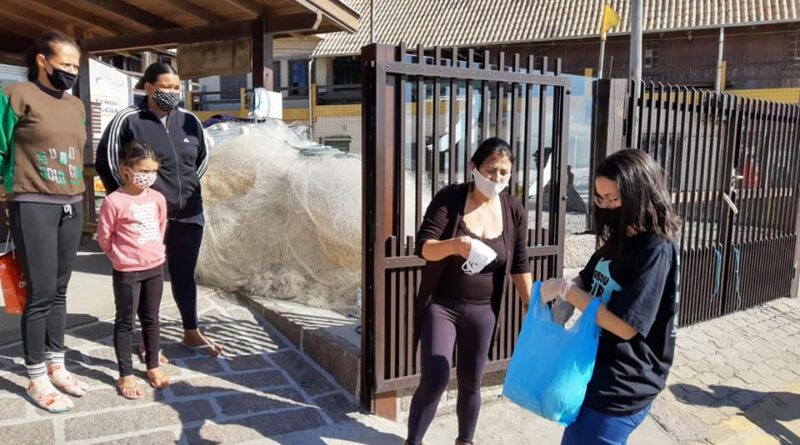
{"points": [[640, 284], [455, 285]]}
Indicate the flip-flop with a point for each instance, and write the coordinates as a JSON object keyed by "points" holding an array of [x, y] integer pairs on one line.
{"points": [[162, 360], [206, 349], [121, 390], [162, 382]]}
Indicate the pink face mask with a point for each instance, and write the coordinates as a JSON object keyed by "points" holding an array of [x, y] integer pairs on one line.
{"points": [[144, 180]]}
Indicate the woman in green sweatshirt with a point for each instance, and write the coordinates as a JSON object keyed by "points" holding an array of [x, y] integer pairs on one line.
{"points": [[42, 135]]}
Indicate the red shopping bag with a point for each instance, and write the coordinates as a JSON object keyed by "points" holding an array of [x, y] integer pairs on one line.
{"points": [[12, 281]]}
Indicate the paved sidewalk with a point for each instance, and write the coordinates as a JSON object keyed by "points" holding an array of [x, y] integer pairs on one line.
{"points": [[736, 380]]}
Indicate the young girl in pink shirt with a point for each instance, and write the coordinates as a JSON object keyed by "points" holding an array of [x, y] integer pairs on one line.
{"points": [[131, 233]]}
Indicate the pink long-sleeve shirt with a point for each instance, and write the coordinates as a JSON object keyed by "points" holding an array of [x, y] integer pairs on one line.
{"points": [[131, 230]]}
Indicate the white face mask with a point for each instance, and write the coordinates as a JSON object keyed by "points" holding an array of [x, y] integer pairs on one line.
{"points": [[144, 180], [480, 255], [487, 187]]}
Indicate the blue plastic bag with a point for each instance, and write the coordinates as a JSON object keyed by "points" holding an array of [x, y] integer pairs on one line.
{"points": [[551, 365]]}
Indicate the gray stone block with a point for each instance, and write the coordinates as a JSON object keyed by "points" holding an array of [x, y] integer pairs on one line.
{"points": [[247, 362], [13, 408], [248, 403], [33, 433], [159, 438], [255, 427], [205, 365], [121, 422], [301, 372], [337, 406]]}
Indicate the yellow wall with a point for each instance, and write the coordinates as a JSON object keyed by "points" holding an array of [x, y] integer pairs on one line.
{"points": [[786, 95]]}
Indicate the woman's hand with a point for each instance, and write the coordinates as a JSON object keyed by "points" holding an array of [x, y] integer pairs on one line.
{"points": [[554, 288], [461, 246]]}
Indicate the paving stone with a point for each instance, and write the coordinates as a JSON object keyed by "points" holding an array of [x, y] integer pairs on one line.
{"points": [[709, 416], [175, 350], [159, 438], [227, 383], [247, 362], [750, 377], [337, 406], [205, 365], [301, 372], [13, 408], [247, 403], [101, 399], [744, 399], [33, 433], [126, 421], [255, 427], [95, 332]]}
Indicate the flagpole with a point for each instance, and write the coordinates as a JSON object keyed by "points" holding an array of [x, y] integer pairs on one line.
{"points": [[602, 56]]}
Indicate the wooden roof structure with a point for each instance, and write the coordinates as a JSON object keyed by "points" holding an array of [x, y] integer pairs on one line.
{"points": [[103, 26]]}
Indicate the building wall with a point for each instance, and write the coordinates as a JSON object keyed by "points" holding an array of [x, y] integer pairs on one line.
{"points": [[756, 57]]}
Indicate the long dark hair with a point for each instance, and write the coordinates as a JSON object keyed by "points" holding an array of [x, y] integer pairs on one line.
{"points": [[44, 45], [646, 200], [490, 148], [153, 71]]}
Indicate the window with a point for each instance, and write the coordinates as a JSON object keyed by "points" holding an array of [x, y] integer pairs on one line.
{"points": [[793, 49], [230, 86], [298, 77], [346, 71], [651, 54]]}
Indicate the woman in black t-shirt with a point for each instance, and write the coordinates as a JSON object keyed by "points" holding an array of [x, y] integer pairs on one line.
{"points": [[460, 294], [635, 274]]}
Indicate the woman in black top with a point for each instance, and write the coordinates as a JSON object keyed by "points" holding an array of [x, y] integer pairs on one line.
{"points": [[460, 294], [179, 141], [636, 276]]}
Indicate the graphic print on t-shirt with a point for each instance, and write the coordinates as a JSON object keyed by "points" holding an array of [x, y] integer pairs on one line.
{"points": [[146, 219], [603, 284]]}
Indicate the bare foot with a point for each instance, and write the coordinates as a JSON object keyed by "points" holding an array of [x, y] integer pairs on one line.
{"points": [[129, 388], [194, 339], [158, 379]]}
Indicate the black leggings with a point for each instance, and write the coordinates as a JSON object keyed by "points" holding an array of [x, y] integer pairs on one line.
{"points": [[183, 247], [469, 327], [137, 293], [46, 238]]}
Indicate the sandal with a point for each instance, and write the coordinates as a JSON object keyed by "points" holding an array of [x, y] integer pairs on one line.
{"points": [[140, 351], [157, 378], [48, 399], [128, 389], [65, 381]]}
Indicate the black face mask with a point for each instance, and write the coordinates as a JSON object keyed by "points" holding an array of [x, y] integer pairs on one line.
{"points": [[61, 80], [608, 217]]}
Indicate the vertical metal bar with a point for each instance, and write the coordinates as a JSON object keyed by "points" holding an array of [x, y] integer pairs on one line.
{"points": [[780, 171], [707, 170], [753, 123], [400, 158], [391, 325], [766, 140], [468, 117], [651, 91], [501, 60], [683, 186], [540, 239], [421, 149], [513, 115], [640, 114], [563, 147], [487, 98], [528, 145], [659, 152], [694, 165], [454, 117], [435, 133]]}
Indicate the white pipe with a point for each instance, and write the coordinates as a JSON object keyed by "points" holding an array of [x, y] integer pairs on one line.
{"points": [[718, 83]]}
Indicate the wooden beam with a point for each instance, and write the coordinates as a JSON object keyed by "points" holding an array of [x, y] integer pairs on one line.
{"points": [[249, 6], [127, 11], [34, 20], [169, 37], [76, 14], [294, 23], [261, 55], [192, 9], [12, 58]]}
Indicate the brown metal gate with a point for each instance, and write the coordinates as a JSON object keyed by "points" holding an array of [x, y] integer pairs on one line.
{"points": [[734, 165], [423, 115]]}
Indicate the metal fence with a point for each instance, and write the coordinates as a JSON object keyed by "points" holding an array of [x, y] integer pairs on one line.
{"points": [[421, 123], [734, 165]]}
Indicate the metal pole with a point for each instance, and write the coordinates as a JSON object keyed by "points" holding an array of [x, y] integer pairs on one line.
{"points": [[636, 65], [311, 99], [602, 56], [718, 83]]}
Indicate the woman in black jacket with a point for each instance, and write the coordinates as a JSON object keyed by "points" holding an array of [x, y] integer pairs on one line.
{"points": [[178, 138]]}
